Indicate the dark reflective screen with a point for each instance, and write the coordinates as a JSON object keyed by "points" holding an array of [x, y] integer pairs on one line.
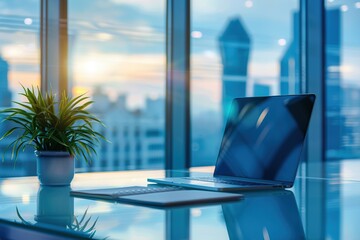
{"points": [[264, 137]]}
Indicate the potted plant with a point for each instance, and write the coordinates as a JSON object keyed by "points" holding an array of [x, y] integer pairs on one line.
{"points": [[59, 130]]}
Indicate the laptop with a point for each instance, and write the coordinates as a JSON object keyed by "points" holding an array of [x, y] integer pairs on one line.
{"points": [[265, 216], [261, 145]]}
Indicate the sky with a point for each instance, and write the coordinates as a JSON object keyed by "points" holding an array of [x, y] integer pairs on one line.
{"points": [[119, 45]]}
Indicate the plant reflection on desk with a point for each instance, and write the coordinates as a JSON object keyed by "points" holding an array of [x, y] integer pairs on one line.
{"points": [[55, 207]]}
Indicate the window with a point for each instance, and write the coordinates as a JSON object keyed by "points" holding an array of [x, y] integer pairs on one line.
{"points": [[153, 133], [138, 163], [19, 64], [117, 56], [138, 147], [127, 147], [137, 132], [126, 132], [342, 73], [116, 163], [155, 147], [103, 164], [104, 148], [243, 49], [116, 148], [114, 132], [156, 160]]}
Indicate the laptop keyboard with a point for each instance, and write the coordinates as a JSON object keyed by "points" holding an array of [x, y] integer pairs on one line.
{"points": [[142, 190], [221, 180]]}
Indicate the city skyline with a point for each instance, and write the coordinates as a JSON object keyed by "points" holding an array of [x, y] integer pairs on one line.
{"points": [[127, 61], [146, 23]]}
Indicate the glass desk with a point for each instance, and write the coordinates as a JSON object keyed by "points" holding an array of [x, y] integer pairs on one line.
{"points": [[315, 208]]}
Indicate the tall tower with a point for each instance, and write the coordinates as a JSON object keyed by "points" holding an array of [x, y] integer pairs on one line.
{"points": [[5, 94], [334, 92], [290, 83], [290, 75], [290, 62], [234, 46]]}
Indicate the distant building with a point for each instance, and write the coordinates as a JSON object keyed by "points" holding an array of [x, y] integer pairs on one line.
{"points": [[351, 128], [334, 92], [137, 138], [5, 94], [206, 131], [234, 44], [261, 89], [290, 62], [290, 76], [25, 164]]}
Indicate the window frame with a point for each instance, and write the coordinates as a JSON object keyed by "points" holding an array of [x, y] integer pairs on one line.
{"points": [[54, 46], [54, 72]]}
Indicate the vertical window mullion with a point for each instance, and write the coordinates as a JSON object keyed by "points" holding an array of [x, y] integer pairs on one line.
{"points": [[314, 53], [315, 76], [177, 137], [54, 46], [178, 85]]}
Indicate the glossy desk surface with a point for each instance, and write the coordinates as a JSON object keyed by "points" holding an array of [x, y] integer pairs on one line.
{"points": [[326, 206]]}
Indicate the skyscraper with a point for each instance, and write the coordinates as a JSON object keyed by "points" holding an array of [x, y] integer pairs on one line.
{"points": [[26, 161], [334, 119], [290, 75], [234, 44], [290, 84], [290, 62], [5, 94], [261, 89]]}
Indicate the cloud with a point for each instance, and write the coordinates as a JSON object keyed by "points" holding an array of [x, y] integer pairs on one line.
{"points": [[19, 53], [123, 67], [136, 75], [153, 6], [123, 13], [21, 8]]}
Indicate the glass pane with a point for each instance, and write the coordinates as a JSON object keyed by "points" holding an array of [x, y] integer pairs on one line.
{"points": [[342, 79], [19, 65], [246, 48], [117, 57]]}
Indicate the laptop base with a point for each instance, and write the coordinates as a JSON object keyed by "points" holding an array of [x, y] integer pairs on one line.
{"points": [[211, 186]]}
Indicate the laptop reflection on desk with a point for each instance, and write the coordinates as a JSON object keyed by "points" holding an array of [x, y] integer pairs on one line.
{"points": [[264, 215]]}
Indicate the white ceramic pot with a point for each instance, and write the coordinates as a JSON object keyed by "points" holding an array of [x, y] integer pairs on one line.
{"points": [[55, 168]]}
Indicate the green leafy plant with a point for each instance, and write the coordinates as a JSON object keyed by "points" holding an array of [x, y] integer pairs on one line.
{"points": [[50, 125]]}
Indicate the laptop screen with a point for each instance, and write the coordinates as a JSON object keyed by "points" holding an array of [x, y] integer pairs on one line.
{"points": [[264, 136]]}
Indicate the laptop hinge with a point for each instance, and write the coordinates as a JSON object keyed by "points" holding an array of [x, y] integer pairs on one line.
{"points": [[252, 180]]}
